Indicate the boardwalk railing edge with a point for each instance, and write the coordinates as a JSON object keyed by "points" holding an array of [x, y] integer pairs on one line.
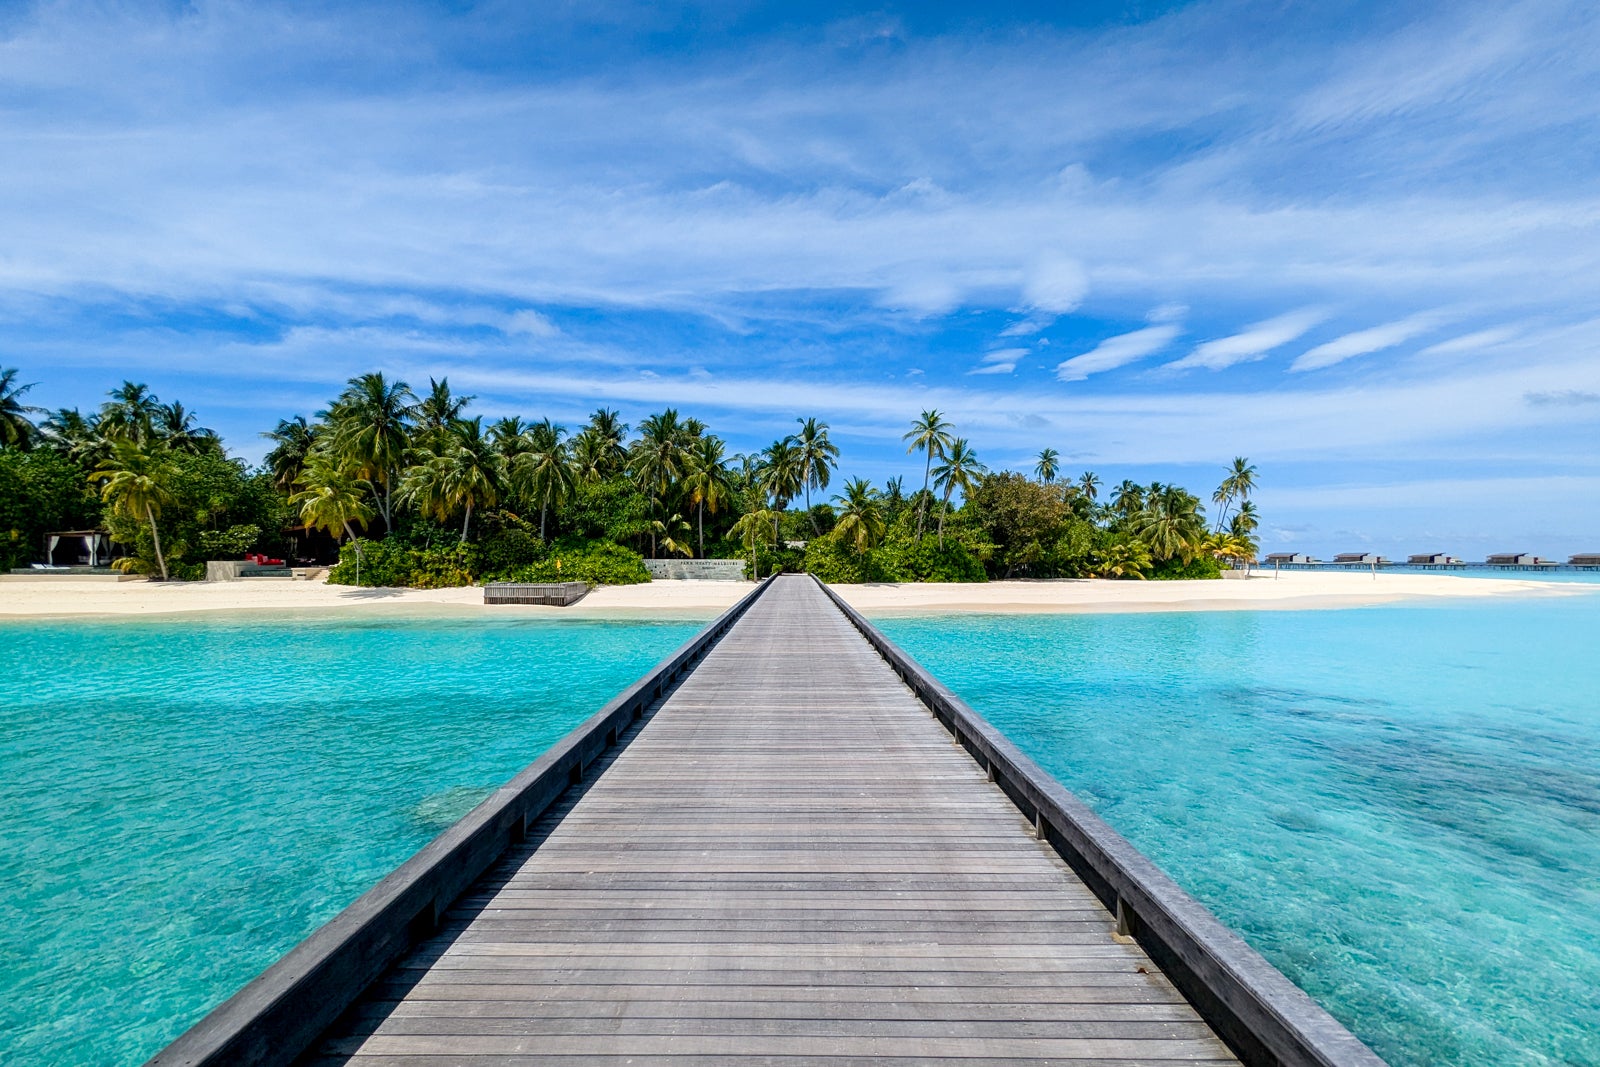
{"points": [[281, 1012], [1254, 1007]]}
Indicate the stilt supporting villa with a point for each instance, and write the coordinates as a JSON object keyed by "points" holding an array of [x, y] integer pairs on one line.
{"points": [[787, 843]]}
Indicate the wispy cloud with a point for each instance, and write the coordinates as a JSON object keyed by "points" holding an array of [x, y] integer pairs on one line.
{"points": [[1475, 341], [1118, 351], [1253, 343], [1566, 398], [1000, 361], [1365, 342]]}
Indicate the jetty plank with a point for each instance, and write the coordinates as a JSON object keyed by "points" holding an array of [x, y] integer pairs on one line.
{"points": [[790, 861]]}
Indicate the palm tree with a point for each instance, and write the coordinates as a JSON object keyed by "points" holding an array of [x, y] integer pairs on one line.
{"points": [[590, 455], [1172, 523], [1124, 559], [437, 412], [371, 432], [669, 533], [959, 470], [331, 499], [929, 433], [707, 483], [754, 528], [657, 458], [466, 475], [16, 429], [860, 515], [1089, 484], [1129, 499], [817, 456], [1049, 465], [507, 436], [780, 476], [608, 431], [1239, 483], [543, 471], [176, 426], [134, 482], [1245, 521], [131, 414], [75, 436], [293, 439]]}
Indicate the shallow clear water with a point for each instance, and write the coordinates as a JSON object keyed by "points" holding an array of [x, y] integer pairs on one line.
{"points": [[181, 801], [1398, 806]]}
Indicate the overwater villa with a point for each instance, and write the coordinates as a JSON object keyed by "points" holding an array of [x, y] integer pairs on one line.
{"points": [[1433, 559], [1360, 559], [1280, 558], [1585, 559], [1519, 559]]}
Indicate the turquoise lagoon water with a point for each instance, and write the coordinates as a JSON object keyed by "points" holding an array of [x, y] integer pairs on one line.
{"points": [[181, 801], [1398, 806]]}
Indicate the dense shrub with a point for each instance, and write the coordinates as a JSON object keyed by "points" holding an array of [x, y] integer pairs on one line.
{"points": [[509, 547], [595, 562], [832, 560], [231, 543], [1176, 569], [911, 559], [393, 563]]}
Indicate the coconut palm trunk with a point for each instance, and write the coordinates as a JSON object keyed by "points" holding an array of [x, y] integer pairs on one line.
{"points": [[466, 522], [944, 506], [922, 501], [155, 536], [700, 522]]}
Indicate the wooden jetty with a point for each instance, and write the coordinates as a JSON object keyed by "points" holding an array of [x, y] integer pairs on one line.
{"points": [[782, 857]]}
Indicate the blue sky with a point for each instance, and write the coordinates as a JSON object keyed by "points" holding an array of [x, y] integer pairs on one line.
{"points": [[1358, 243]]}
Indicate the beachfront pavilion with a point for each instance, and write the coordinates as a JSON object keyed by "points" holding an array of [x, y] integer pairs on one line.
{"points": [[77, 548]]}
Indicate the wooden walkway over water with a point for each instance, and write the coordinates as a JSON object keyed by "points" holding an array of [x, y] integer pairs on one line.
{"points": [[792, 861], [785, 859]]}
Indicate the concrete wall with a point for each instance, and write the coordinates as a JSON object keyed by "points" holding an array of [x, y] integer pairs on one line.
{"points": [[697, 570]]}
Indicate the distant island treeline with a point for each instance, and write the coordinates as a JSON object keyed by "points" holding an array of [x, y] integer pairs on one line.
{"points": [[408, 489]]}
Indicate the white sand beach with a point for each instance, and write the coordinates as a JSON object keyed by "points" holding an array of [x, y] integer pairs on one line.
{"points": [[45, 597]]}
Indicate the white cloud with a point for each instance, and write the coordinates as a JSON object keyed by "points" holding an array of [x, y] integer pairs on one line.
{"points": [[1117, 351], [530, 323], [1364, 342], [1472, 342], [1253, 343], [1055, 286], [1000, 361]]}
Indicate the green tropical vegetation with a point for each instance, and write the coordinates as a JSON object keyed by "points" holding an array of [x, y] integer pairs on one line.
{"points": [[408, 488]]}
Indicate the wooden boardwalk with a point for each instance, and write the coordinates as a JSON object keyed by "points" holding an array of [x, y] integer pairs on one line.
{"points": [[790, 862]]}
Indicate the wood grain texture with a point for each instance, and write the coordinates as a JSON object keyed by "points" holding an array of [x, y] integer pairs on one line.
{"points": [[791, 863]]}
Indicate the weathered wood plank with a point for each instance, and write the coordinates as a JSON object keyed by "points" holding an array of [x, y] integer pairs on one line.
{"points": [[790, 860]]}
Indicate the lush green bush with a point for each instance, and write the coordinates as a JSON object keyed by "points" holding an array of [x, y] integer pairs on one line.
{"points": [[833, 560], [910, 559], [510, 546], [393, 563], [594, 562], [611, 509], [231, 543], [1198, 567]]}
